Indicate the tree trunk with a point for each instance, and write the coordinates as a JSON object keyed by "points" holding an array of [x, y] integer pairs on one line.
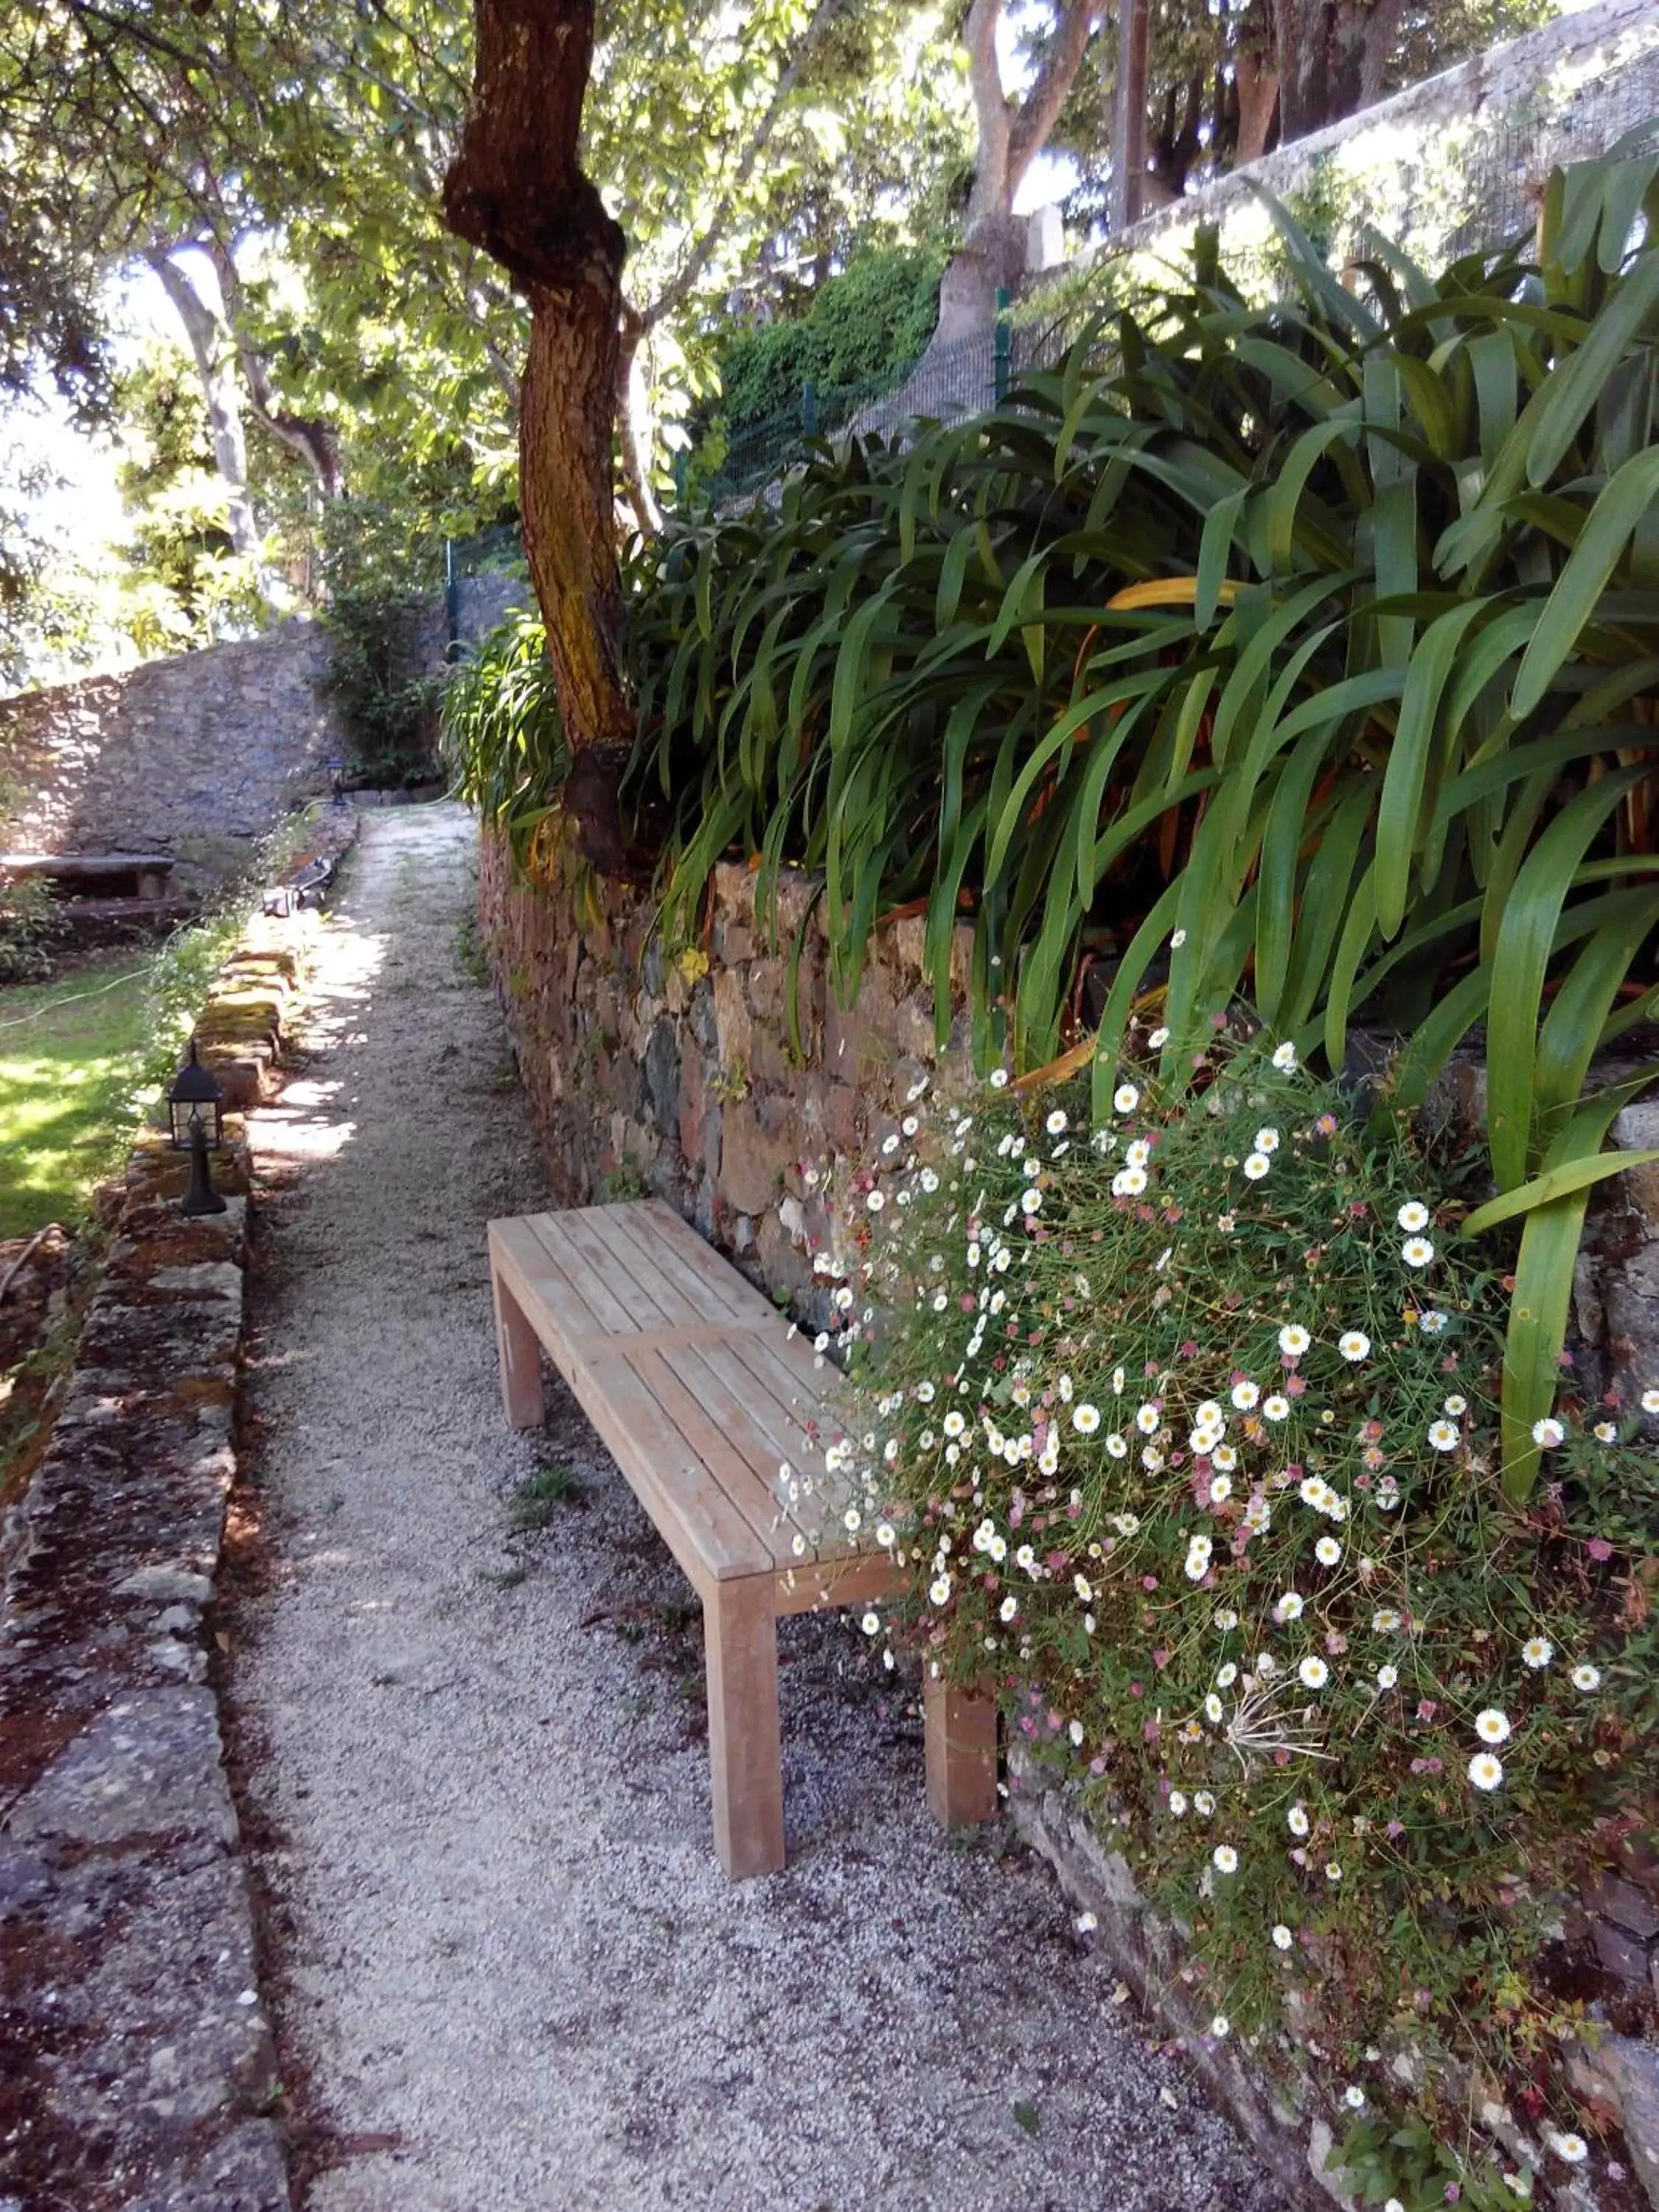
{"points": [[1129, 133], [992, 257], [517, 190], [210, 344], [1333, 57], [1258, 98]]}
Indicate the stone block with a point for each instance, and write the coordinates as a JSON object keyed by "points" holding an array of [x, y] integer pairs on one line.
{"points": [[733, 1027], [662, 1075], [760, 1139], [1627, 1904]]}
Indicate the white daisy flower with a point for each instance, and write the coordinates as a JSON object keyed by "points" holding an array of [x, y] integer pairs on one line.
{"points": [[1009, 1608], [1225, 1458], [1417, 1251], [1128, 1182], [870, 1623], [1354, 1344], [1256, 1165], [1221, 1489], [1586, 1677], [1293, 1340], [1203, 1803], [1289, 1607], [1245, 1396], [1219, 2026], [1333, 1870], [1485, 1771], [1125, 1098], [1285, 1055], [1117, 1446], [1412, 1216], [1298, 1821], [1177, 1802], [875, 1201], [1548, 1432], [1282, 1938], [1354, 2097], [1226, 1676], [1328, 1551], [1225, 1618], [1537, 1651], [1137, 1154], [1650, 1401], [1571, 2147], [1086, 1418], [1607, 1432], [1030, 1201], [1213, 1709], [1315, 1673], [1456, 1406], [1387, 1677], [954, 1423], [1385, 1620], [998, 1079], [1225, 1859], [1276, 1407], [1267, 1141], [939, 1590], [1444, 1436], [1056, 1124], [1148, 1419], [1432, 1323]]}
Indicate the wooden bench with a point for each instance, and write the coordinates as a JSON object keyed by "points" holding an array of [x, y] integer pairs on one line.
{"points": [[702, 1394], [135, 875]]}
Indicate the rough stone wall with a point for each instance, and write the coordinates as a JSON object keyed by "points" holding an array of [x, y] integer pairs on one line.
{"points": [[642, 1071], [196, 755], [485, 599]]}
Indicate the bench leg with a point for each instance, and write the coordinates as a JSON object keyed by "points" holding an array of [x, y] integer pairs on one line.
{"points": [[521, 1357], [746, 1757], [961, 1732]]}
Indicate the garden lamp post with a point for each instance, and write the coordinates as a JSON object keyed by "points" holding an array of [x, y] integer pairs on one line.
{"points": [[193, 1107], [337, 769]]}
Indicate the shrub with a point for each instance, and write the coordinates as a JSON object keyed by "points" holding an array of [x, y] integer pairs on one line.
{"points": [[502, 736], [1187, 1431], [32, 926]]}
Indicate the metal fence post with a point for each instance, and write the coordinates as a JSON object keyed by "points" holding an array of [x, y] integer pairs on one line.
{"points": [[451, 602], [1000, 358]]}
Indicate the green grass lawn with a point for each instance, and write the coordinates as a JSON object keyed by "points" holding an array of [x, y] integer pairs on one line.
{"points": [[71, 1054]]}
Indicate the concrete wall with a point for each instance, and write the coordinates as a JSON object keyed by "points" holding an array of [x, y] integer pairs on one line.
{"points": [[196, 755]]}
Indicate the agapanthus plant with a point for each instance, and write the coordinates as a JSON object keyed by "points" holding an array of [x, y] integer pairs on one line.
{"points": [[1187, 1429]]}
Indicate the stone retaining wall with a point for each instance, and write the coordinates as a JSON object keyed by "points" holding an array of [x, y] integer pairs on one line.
{"points": [[197, 756], [136, 2065]]}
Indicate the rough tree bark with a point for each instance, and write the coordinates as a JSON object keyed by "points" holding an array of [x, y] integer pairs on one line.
{"points": [[516, 189], [1333, 58], [1129, 112]]}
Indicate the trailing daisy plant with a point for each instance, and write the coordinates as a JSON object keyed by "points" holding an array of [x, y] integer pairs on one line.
{"points": [[1186, 1427]]}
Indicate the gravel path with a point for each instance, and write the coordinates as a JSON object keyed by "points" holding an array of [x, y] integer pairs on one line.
{"points": [[509, 1974]]}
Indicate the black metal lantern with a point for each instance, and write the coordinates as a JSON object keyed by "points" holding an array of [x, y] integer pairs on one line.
{"points": [[194, 1105], [337, 769]]}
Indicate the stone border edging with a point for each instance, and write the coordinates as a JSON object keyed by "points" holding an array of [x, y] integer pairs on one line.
{"points": [[138, 2068]]}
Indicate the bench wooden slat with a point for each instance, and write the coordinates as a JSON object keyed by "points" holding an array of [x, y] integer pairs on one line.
{"points": [[635, 1289], [563, 1317], [769, 1435], [587, 1297], [707, 1533], [654, 1238], [686, 1410]]}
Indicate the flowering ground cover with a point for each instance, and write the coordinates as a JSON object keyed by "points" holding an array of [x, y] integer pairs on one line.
{"points": [[1187, 1426]]}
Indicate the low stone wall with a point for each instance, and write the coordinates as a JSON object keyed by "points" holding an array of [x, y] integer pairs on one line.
{"points": [[197, 756], [136, 2064]]}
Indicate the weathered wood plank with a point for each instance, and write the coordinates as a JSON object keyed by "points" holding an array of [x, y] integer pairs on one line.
{"points": [[588, 1289], [648, 1231], [745, 1761], [707, 1533], [701, 1430]]}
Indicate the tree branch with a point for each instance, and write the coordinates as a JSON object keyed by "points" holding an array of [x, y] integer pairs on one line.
{"points": [[1039, 111], [679, 287]]}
